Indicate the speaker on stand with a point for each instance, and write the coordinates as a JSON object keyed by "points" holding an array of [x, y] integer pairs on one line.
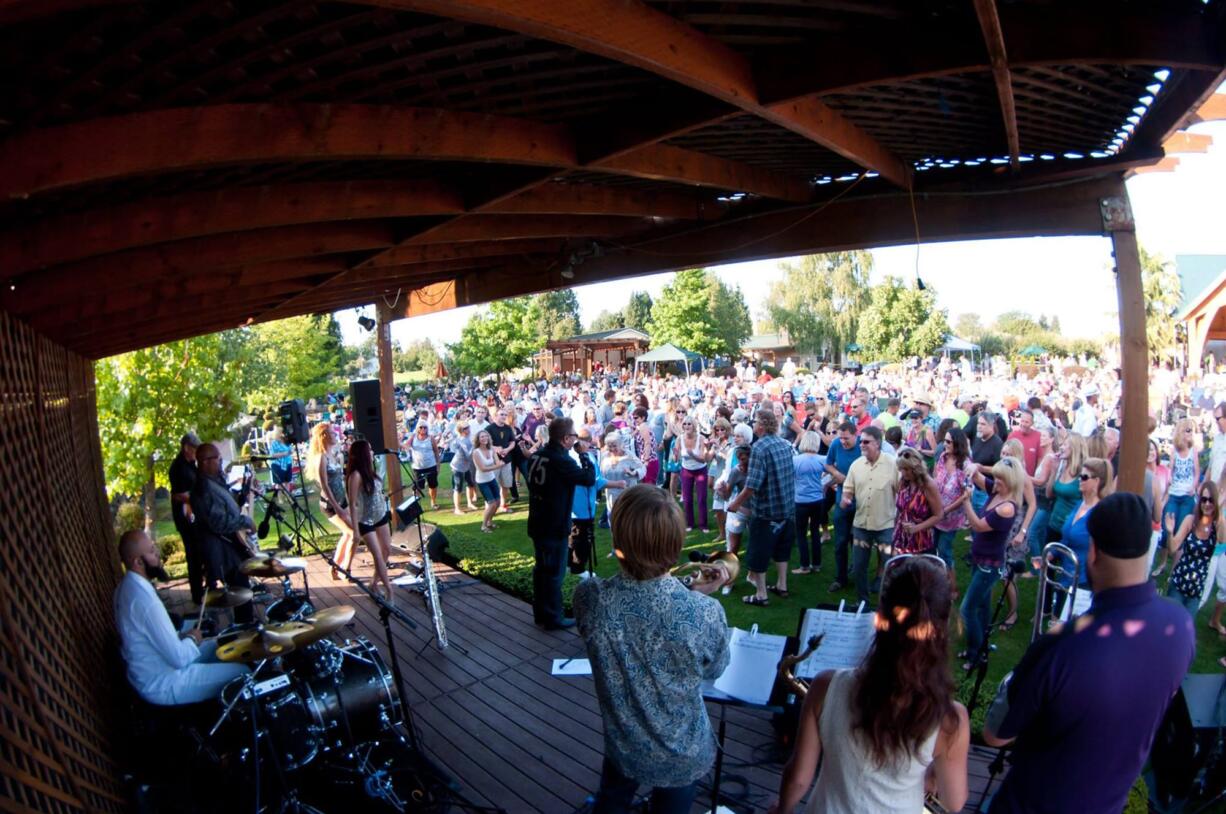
{"points": [[368, 412]]}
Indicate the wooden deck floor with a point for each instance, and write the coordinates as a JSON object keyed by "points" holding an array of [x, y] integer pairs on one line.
{"points": [[511, 734]]}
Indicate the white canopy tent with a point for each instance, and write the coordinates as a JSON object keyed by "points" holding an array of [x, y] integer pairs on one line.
{"points": [[668, 353], [954, 344]]}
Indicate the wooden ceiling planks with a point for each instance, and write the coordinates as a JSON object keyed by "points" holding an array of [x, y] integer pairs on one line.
{"points": [[176, 153]]}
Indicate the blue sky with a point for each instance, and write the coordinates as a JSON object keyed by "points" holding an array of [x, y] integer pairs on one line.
{"points": [[1178, 212]]}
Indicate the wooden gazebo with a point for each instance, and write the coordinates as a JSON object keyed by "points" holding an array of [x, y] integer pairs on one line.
{"points": [[169, 169], [580, 354]]}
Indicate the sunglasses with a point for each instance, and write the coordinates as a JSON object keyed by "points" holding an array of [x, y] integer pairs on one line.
{"points": [[1207, 499], [1087, 476]]}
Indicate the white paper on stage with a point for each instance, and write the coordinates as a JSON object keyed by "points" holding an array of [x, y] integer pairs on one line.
{"points": [[572, 667], [846, 636], [1081, 604], [294, 562], [752, 665], [409, 579]]}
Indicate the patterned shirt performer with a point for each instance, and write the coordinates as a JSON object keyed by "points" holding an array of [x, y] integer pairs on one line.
{"points": [[651, 644]]}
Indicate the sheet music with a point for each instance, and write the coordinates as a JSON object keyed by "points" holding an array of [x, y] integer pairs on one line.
{"points": [[1081, 604], [847, 636], [752, 666]]}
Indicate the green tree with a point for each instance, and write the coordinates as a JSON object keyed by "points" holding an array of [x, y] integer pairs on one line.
{"points": [[901, 321], [555, 315], [502, 338], [697, 312], [1018, 324], [415, 356], [607, 321], [296, 358], [637, 312], [820, 300], [1162, 296], [149, 398], [969, 326]]}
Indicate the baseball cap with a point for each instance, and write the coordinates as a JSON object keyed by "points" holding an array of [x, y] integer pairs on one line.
{"points": [[1120, 526]]}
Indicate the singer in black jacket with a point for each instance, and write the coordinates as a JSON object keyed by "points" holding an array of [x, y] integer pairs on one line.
{"points": [[552, 478]]}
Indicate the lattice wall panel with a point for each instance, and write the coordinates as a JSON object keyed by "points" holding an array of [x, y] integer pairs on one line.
{"points": [[57, 571]]}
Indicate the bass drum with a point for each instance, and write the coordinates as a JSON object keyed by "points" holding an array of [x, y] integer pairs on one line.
{"points": [[356, 704], [283, 720]]}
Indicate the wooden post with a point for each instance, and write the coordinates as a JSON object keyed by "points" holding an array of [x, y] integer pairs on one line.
{"points": [[1134, 347], [387, 399]]}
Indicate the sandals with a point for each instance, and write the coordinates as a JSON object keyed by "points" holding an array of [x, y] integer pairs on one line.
{"points": [[487, 529], [782, 593], [1007, 625], [1221, 631], [753, 599]]}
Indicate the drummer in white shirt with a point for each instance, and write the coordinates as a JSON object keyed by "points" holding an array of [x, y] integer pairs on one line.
{"points": [[164, 668]]}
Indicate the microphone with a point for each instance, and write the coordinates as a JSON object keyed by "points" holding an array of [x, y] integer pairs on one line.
{"points": [[262, 531]]}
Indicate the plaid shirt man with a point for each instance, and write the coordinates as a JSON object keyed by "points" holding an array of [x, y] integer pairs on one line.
{"points": [[772, 477]]}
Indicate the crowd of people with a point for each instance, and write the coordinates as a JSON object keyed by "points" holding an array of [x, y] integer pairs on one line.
{"points": [[924, 466]]}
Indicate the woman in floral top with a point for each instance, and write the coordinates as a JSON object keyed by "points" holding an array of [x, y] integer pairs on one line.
{"points": [[918, 505], [953, 472]]}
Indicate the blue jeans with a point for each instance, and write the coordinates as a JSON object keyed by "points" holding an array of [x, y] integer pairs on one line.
{"points": [[1181, 506], [977, 607], [862, 552], [1190, 603], [944, 541], [616, 794], [842, 538], [547, 576], [1036, 538]]}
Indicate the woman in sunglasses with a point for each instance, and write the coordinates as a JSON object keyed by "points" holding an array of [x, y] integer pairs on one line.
{"points": [[1094, 481], [1192, 546]]}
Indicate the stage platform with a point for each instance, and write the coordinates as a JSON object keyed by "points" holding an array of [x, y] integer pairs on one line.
{"points": [[510, 733]]}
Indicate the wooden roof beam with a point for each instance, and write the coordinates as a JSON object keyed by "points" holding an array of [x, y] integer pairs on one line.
{"points": [[179, 139], [67, 238], [1037, 34], [633, 33], [994, 41], [1183, 142], [150, 265]]}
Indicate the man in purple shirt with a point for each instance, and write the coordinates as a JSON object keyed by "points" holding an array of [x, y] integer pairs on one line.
{"points": [[1084, 703]]}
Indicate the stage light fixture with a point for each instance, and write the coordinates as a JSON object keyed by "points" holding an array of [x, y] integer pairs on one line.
{"points": [[366, 322]]}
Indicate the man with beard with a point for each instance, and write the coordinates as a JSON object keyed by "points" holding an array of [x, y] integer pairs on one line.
{"points": [[219, 524], [163, 667]]}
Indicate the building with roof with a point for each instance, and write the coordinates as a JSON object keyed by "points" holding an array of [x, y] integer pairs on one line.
{"points": [[1202, 281], [581, 354], [775, 348]]}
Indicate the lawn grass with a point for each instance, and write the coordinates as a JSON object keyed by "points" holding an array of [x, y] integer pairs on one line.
{"points": [[504, 559]]}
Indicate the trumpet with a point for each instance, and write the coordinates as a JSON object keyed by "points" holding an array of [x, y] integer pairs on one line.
{"points": [[720, 568]]}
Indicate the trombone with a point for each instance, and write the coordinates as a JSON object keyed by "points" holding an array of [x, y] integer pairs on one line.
{"points": [[1052, 572]]}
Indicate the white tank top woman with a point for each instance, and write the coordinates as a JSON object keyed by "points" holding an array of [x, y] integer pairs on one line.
{"points": [[849, 782]]}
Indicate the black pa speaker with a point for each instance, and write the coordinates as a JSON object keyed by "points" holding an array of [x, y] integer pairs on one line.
{"points": [[293, 422], [367, 411]]}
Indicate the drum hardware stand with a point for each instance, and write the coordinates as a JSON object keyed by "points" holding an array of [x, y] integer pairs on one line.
{"points": [[985, 647], [273, 509]]}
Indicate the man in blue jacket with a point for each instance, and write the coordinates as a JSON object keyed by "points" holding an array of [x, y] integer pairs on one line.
{"points": [[552, 478]]}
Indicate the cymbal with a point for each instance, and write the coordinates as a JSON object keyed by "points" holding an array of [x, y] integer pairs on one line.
{"points": [[268, 567], [325, 623], [226, 597], [257, 645]]}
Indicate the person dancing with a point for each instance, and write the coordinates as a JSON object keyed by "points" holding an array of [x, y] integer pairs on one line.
{"points": [[370, 509], [882, 728], [325, 468]]}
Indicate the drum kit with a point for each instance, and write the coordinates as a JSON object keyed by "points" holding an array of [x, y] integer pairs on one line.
{"points": [[309, 701]]}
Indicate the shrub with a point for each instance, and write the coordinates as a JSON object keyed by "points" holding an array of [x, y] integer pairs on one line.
{"points": [[418, 393], [803, 371], [130, 516], [169, 545], [771, 369]]}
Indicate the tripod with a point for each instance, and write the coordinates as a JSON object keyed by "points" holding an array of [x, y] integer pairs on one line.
{"points": [[430, 589]]}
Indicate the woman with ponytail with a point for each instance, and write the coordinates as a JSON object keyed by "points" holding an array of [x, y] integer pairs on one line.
{"points": [[880, 729]]}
